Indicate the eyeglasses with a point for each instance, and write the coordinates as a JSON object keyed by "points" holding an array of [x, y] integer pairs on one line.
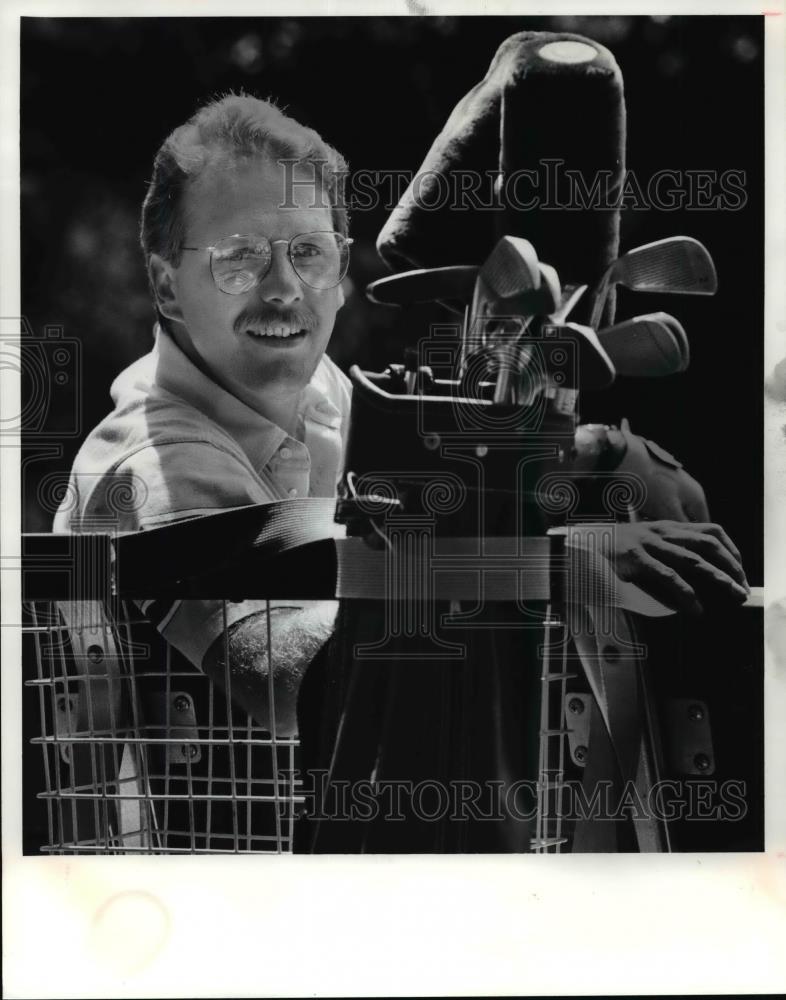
{"points": [[239, 263]]}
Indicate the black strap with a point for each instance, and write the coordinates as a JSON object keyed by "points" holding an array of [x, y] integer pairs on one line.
{"points": [[215, 555]]}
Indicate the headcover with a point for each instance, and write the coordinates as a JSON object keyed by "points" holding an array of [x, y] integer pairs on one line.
{"points": [[549, 120]]}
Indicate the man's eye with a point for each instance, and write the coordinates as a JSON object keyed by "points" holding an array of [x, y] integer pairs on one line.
{"points": [[243, 253], [303, 250]]}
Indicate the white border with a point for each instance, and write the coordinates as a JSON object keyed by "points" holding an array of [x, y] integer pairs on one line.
{"points": [[408, 926]]}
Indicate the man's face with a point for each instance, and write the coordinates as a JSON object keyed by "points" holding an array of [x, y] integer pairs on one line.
{"points": [[233, 335]]}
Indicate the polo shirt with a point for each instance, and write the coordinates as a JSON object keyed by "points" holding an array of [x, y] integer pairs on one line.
{"points": [[177, 446]]}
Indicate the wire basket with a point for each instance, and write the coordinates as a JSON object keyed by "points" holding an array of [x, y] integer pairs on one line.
{"points": [[141, 752]]}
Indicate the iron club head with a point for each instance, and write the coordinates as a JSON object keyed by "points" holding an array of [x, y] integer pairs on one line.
{"points": [[647, 346], [676, 265]]}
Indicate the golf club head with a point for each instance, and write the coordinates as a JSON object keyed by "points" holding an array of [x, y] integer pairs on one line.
{"points": [[525, 303], [425, 285], [678, 265], [507, 284], [457, 282], [511, 268], [648, 346], [512, 285], [678, 330]]}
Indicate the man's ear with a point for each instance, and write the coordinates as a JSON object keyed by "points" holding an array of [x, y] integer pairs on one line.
{"points": [[162, 280], [341, 296]]}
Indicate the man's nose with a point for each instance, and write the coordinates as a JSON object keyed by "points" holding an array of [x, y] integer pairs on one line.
{"points": [[281, 283]]}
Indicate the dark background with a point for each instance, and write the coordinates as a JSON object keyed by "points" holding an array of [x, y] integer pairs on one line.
{"points": [[98, 96]]}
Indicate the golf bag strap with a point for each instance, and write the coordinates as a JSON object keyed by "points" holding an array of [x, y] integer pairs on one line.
{"points": [[594, 833], [292, 548], [611, 659]]}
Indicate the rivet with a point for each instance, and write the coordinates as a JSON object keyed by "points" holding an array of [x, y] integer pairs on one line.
{"points": [[181, 703], [482, 450], [580, 754], [702, 762], [431, 441], [189, 750], [611, 653], [695, 713], [576, 705], [95, 654]]}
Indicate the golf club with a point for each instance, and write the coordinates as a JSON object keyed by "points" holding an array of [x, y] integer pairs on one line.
{"points": [[425, 285], [647, 346], [528, 365], [676, 265]]}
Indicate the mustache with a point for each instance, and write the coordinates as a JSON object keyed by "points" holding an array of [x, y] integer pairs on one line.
{"points": [[262, 316]]}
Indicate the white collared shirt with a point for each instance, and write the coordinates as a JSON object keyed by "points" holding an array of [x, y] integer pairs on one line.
{"points": [[177, 445]]}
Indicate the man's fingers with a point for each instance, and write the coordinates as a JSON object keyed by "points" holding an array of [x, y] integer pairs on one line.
{"points": [[663, 581], [711, 549], [699, 528], [690, 565], [717, 532]]}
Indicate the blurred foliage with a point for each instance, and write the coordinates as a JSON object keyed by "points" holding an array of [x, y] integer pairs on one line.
{"points": [[99, 96]]}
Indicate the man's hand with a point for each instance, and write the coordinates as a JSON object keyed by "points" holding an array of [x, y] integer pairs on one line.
{"points": [[681, 563]]}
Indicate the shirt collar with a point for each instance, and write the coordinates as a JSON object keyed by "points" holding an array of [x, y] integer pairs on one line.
{"points": [[259, 437]]}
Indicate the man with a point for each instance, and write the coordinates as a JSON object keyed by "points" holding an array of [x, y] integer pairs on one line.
{"points": [[244, 235]]}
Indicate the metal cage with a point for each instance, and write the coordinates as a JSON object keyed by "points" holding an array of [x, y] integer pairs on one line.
{"points": [[141, 752]]}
